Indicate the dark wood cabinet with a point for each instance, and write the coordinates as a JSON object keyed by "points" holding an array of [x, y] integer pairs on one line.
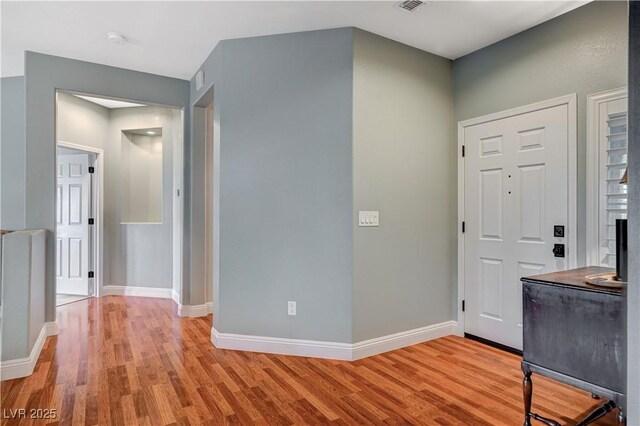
{"points": [[574, 332]]}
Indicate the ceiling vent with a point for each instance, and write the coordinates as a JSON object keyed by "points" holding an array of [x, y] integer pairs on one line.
{"points": [[410, 5]]}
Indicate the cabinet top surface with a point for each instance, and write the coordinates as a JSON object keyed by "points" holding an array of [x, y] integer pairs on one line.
{"points": [[574, 278]]}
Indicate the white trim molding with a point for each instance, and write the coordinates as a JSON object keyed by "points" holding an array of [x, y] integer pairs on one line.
{"points": [[593, 165], [403, 339], [183, 310], [175, 296], [572, 174], [125, 290], [194, 311], [51, 328], [331, 350], [23, 367], [282, 346]]}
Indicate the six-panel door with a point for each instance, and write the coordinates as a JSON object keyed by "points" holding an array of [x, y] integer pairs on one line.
{"points": [[516, 190], [72, 229]]}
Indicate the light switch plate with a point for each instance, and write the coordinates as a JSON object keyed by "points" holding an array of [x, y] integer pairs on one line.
{"points": [[368, 218]]}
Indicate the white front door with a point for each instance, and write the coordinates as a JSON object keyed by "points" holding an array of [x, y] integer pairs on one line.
{"points": [[516, 191], [72, 225]]}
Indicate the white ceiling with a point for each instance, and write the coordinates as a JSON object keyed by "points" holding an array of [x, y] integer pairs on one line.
{"points": [[109, 103], [173, 38]]}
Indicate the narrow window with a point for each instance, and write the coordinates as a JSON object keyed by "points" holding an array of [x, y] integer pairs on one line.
{"points": [[607, 163]]}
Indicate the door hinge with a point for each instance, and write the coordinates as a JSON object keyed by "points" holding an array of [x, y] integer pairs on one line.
{"points": [[92, 169], [463, 151], [463, 306], [92, 221], [463, 226], [91, 274]]}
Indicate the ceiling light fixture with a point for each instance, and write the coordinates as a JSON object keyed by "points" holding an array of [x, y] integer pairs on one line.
{"points": [[149, 132], [116, 38]]}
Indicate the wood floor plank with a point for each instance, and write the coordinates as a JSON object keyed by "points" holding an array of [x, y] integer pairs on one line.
{"points": [[131, 361]]}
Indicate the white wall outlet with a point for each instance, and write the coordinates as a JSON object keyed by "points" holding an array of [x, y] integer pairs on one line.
{"points": [[368, 218], [291, 308]]}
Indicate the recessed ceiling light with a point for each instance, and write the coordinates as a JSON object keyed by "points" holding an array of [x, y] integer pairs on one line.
{"points": [[116, 38], [149, 132]]}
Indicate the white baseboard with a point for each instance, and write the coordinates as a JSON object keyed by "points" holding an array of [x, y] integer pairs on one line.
{"points": [[52, 328], [276, 345], [331, 350], [405, 338], [175, 296], [194, 310], [22, 367], [125, 290]]}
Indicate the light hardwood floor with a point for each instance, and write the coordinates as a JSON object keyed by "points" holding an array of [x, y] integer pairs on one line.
{"points": [[127, 360]]}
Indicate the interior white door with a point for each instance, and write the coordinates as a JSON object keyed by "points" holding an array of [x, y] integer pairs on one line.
{"points": [[516, 191], [72, 227]]}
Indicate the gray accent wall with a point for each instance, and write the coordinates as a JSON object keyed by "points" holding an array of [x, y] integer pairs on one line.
{"points": [[44, 74], [284, 105], [402, 139], [633, 292], [583, 51], [12, 154]]}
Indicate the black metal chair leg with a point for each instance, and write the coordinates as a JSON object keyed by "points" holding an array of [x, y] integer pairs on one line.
{"points": [[599, 412]]}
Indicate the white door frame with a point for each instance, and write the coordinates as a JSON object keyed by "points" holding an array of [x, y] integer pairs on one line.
{"points": [[593, 167], [177, 204], [572, 157], [97, 191]]}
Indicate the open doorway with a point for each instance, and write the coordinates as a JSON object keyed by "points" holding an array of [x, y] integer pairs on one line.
{"points": [[205, 215], [76, 213], [118, 198]]}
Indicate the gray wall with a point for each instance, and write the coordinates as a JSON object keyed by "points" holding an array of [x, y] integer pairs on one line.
{"points": [[12, 154], [44, 74], [402, 141], [583, 52], [134, 254], [23, 292], [139, 254], [284, 105], [197, 212], [633, 292], [82, 122]]}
